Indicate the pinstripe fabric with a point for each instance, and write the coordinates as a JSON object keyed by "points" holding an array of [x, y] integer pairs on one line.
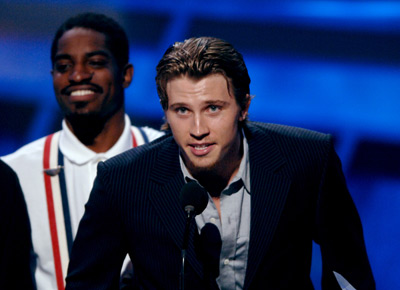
{"points": [[272, 172], [134, 207]]}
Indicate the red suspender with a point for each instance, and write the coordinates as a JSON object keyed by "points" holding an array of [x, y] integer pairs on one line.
{"points": [[54, 206], [134, 143], [52, 216]]}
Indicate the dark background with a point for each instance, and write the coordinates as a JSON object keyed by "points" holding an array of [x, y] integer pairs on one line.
{"points": [[332, 66]]}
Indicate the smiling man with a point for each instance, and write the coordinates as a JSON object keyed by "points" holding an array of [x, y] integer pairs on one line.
{"points": [[91, 69], [272, 190]]}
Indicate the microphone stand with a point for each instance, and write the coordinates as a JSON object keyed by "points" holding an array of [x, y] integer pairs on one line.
{"points": [[189, 210]]}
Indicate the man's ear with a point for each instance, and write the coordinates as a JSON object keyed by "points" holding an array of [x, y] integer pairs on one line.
{"points": [[127, 75], [245, 111]]}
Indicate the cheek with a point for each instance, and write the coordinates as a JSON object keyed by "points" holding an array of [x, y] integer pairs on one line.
{"points": [[178, 127], [225, 125], [59, 83], [110, 78]]}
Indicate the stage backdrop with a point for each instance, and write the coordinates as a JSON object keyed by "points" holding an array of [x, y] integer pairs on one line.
{"points": [[332, 66]]}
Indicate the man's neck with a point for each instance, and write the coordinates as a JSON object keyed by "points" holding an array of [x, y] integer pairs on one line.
{"points": [[99, 136]]}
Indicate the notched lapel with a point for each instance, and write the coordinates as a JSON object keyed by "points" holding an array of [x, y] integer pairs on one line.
{"points": [[168, 176], [269, 189]]}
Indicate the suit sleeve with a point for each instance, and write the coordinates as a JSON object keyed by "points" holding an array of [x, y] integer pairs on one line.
{"points": [[98, 250], [17, 260], [339, 231]]}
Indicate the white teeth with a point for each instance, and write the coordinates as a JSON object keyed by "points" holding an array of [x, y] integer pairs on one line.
{"points": [[82, 93], [202, 147]]}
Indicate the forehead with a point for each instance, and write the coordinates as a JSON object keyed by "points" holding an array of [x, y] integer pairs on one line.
{"points": [[81, 40], [211, 87]]}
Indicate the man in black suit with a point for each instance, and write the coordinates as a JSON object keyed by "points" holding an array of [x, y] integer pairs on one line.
{"points": [[271, 191], [16, 253]]}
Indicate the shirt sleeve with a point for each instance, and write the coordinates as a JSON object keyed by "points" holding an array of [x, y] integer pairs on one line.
{"points": [[17, 260]]}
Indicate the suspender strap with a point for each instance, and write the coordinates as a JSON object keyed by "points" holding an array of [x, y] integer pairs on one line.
{"points": [[134, 143], [145, 139], [141, 137], [55, 207], [65, 204], [57, 201]]}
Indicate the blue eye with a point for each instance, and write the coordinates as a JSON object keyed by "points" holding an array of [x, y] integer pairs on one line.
{"points": [[214, 108], [181, 110]]}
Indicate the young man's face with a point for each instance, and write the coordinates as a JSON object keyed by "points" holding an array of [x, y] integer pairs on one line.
{"points": [[203, 117], [86, 76]]}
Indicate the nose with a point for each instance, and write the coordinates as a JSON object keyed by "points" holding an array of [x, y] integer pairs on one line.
{"points": [[199, 128], [80, 73]]}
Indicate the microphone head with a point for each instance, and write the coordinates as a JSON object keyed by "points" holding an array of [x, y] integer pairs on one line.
{"points": [[193, 197]]}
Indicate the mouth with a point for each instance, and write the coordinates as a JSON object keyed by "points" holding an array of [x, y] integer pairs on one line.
{"points": [[201, 149], [79, 93]]}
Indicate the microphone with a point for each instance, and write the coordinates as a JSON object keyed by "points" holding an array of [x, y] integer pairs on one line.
{"points": [[194, 200], [210, 247]]}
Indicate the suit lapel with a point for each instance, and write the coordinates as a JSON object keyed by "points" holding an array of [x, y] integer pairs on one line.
{"points": [[269, 189], [167, 174]]}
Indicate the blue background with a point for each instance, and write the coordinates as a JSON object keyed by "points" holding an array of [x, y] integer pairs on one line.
{"points": [[332, 66]]}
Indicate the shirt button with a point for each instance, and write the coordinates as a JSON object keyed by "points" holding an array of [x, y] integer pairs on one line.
{"points": [[213, 220], [226, 261]]}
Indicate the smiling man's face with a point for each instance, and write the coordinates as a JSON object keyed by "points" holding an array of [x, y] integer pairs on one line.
{"points": [[86, 77], [204, 119]]}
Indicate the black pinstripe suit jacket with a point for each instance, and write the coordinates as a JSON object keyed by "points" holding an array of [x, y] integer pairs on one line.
{"points": [[298, 194]]}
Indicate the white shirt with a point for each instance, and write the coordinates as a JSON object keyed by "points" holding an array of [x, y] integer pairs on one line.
{"points": [[80, 165]]}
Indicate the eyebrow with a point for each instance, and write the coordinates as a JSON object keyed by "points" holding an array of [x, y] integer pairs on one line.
{"points": [[216, 102], [89, 54], [177, 105], [98, 52]]}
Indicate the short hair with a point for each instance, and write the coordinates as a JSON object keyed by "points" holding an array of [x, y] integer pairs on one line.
{"points": [[116, 39], [199, 57]]}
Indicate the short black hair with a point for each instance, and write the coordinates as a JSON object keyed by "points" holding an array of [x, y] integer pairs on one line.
{"points": [[116, 39]]}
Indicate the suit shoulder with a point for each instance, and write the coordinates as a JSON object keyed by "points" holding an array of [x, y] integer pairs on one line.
{"points": [[7, 173], [289, 132], [292, 142], [141, 155]]}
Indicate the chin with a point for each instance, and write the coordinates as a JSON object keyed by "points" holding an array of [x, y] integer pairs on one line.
{"points": [[84, 116], [82, 112], [202, 168]]}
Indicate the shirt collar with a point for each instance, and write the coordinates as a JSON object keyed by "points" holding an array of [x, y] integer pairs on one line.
{"points": [[242, 174], [78, 153]]}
